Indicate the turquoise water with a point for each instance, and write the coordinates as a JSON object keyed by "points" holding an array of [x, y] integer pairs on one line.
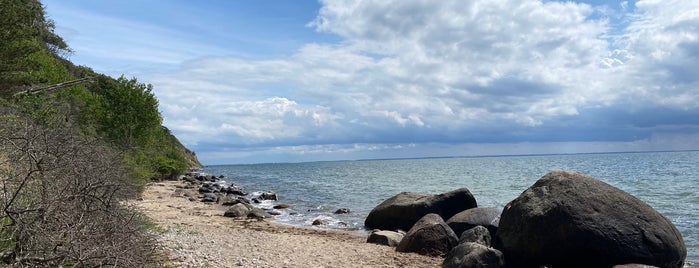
{"points": [[666, 180]]}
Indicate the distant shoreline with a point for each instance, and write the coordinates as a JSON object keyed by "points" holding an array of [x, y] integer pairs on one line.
{"points": [[458, 157]]}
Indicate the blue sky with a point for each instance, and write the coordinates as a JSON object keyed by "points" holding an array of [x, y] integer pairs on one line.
{"points": [[290, 81]]}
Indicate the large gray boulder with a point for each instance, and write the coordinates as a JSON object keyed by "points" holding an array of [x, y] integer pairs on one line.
{"points": [[429, 236], [404, 209], [473, 255], [567, 219], [467, 219]]}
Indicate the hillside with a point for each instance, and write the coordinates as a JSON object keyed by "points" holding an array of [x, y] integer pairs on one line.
{"points": [[69, 154]]}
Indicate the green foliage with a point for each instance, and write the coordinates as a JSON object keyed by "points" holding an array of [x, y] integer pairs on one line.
{"points": [[24, 32], [100, 140], [130, 116]]}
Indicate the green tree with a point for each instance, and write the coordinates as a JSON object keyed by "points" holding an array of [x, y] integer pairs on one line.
{"points": [[130, 114], [24, 31]]}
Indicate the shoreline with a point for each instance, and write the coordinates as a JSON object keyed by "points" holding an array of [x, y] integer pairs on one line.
{"points": [[196, 234]]}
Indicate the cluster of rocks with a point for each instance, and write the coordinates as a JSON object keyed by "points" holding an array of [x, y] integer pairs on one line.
{"points": [[212, 189], [565, 219]]}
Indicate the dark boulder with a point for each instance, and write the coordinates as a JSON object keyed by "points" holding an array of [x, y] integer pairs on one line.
{"points": [[229, 201], [387, 238], [467, 219], [209, 198], [233, 189], [342, 211], [467, 255], [478, 234], [268, 196], [403, 210], [567, 219], [429, 236]]}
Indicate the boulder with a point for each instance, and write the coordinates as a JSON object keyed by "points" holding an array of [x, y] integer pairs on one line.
{"points": [[567, 219], [209, 198], [404, 209], [229, 201], [478, 235], [387, 238], [473, 255], [268, 196], [233, 189], [429, 236], [237, 211], [342, 211], [258, 213], [467, 219]]}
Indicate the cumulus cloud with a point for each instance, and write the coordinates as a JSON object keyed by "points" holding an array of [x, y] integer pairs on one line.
{"points": [[415, 71]]}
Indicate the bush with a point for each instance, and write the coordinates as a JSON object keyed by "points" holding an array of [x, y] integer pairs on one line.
{"points": [[60, 199]]}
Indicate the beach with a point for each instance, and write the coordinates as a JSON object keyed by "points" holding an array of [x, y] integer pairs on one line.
{"points": [[195, 234]]}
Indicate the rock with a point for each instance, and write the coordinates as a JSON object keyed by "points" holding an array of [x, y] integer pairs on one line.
{"points": [[206, 189], [229, 201], [429, 236], [478, 235], [235, 191], [319, 222], [274, 212], [403, 210], [189, 179], [258, 213], [567, 219], [281, 206], [473, 255], [467, 219], [342, 211], [237, 211], [209, 198], [388, 238], [268, 196]]}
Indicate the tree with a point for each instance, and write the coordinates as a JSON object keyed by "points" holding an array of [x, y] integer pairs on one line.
{"points": [[24, 31]]}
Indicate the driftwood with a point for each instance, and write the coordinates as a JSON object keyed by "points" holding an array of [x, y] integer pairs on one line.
{"points": [[56, 86]]}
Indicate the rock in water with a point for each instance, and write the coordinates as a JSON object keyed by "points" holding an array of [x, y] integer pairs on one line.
{"points": [[403, 210], [567, 219], [467, 219], [473, 255], [429, 236], [388, 238]]}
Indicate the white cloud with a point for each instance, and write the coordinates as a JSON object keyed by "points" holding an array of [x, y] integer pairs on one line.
{"points": [[430, 71], [660, 51]]}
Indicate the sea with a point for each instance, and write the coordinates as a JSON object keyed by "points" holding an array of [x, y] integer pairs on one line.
{"points": [[667, 181]]}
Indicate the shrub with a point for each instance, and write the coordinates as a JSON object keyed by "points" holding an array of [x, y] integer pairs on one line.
{"points": [[60, 197]]}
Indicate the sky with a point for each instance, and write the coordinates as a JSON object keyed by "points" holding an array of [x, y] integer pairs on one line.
{"points": [[291, 81]]}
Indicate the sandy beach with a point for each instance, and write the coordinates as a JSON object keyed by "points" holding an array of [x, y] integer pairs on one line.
{"points": [[195, 234]]}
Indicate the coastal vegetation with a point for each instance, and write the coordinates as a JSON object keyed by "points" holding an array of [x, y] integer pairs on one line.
{"points": [[70, 153]]}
